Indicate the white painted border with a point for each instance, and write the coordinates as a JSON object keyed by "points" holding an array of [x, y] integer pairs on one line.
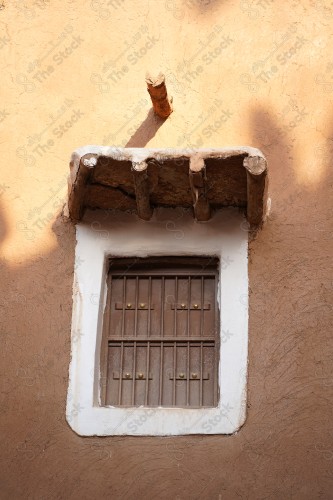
{"points": [[170, 232]]}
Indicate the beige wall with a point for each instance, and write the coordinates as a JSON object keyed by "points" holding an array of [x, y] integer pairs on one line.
{"points": [[256, 73]]}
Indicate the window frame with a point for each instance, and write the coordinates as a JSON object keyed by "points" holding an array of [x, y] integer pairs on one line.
{"points": [[99, 237]]}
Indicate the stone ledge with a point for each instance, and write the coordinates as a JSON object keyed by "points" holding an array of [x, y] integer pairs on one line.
{"points": [[139, 179]]}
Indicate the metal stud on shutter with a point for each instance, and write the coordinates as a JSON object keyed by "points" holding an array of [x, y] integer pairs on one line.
{"points": [[160, 339]]}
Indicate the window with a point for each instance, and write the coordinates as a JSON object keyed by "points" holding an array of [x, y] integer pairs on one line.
{"points": [[147, 254], [160, 333], [141, 363]]}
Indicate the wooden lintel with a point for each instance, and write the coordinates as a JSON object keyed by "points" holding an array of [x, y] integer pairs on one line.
{"points": [[256, 168], [76, 195], [197, 175], [140, 176], [117, 178]]}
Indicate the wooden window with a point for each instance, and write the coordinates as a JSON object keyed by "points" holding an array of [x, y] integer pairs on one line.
{"points": [[161, 333]]}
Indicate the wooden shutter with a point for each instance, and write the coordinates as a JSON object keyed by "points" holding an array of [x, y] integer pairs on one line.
{"points": [[160, 333]]}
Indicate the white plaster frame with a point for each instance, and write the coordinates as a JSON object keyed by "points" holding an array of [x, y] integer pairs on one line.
{"points": [[169, 232]]}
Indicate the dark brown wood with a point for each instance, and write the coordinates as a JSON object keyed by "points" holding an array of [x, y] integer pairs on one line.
{"points": [[160, 339], [256, 168], [198, 185], [78, 187], [170, 343], [194, 307], [140, 176], [159, 95], [193, 376], [126, 179], [129, 376], [108, 198], [143, 306]]}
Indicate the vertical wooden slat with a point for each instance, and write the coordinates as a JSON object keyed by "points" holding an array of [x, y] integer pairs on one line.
{"points": [[162, 305], [174, 373], [201, 373], [176, 303], [188, 343], [175, 345], [201, 335], [189, 305], [135, 335], [162, 346], [122, 343], [202, 306], [148, 343], [149, 306], [216, 343], [123, 311], [136, 306]]}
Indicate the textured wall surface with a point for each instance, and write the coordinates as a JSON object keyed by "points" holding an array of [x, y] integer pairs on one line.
{"points": [[257, 73]]}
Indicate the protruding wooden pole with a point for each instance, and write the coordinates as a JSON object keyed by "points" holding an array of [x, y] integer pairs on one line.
{"points": [[159, 95], [256, 170], [76, 195], [198, 185], [140, 176]]}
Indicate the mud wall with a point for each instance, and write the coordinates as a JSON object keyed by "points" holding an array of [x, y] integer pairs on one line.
{"points": [[256, 73]]}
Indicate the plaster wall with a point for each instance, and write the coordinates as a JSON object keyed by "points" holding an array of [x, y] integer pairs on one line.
{"points": [[256, 73]]}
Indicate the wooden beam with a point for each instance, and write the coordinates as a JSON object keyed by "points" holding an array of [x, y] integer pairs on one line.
{"points": [[159, 95], [78, 187], [197, 174], [256, 169], [140, 176]]}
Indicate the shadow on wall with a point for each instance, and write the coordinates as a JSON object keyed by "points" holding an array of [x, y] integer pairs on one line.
{"points": [[275, 140], [146, 131], [291, 294], [268, 135], [201, 5], [3, 224]]}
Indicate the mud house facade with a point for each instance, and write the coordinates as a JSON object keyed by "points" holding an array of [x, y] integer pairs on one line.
{"points": [[250, 74]]}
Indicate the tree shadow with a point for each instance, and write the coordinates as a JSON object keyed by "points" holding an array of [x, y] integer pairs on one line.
{"points": [[289, 286], [3, 223]]}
